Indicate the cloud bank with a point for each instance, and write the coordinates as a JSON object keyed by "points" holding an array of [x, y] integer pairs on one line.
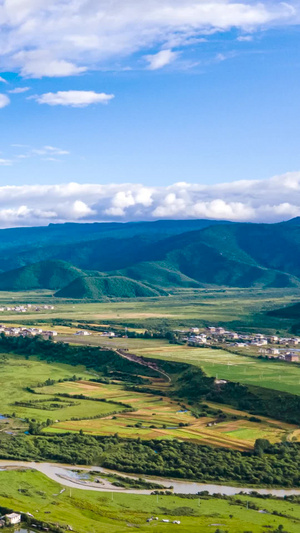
{"points": [[66, 37], [270, 200]]}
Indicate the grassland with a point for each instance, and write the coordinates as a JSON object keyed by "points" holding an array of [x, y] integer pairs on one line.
{"points": [[237, 308], [92, 512]]}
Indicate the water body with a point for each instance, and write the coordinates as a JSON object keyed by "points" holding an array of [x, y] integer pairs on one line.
{"points": [[66, 475], [23, 531]]}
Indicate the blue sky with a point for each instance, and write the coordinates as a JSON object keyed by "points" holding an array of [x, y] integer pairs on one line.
{"points": [[195, 91]]}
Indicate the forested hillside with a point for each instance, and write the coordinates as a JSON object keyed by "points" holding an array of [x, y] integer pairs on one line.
{"points": [[160, 255]]}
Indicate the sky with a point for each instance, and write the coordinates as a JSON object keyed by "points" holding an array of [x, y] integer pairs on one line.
{"points": [[149, 109]]}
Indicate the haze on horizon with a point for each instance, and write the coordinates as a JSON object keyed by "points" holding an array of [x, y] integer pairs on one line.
{"points": [[149, 110]]}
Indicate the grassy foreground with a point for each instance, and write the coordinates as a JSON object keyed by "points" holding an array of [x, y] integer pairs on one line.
{"points": [[92, 512]]}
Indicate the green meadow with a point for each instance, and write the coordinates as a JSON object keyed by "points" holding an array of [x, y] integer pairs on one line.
{"points": [[277, 375], [236, 308], [18, 373], [93, 512]]}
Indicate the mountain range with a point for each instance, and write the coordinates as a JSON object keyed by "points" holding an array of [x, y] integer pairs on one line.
{"points": [[149, 258]]}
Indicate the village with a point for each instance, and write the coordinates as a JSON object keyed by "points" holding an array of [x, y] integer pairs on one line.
{"points": [[270, 346], [25, 308]]}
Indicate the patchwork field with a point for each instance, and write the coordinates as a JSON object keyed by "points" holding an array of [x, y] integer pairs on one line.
{"points": [[92, 512], [15, 399], [159, 417]]}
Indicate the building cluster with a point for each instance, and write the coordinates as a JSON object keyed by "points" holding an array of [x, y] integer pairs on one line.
{"points": [[269, 345], [85, 333], [26, 308], [26, 331], [166, 521]]}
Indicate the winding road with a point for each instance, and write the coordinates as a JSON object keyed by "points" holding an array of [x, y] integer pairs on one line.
{"points": [[66, 476]]}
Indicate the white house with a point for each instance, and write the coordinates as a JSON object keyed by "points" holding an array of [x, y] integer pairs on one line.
{"points": [[13, 518], [232, 335], [82, 332]]}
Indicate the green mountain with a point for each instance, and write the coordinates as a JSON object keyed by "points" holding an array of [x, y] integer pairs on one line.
{"points": [[45, 275], [163, 254], [98, 288]]}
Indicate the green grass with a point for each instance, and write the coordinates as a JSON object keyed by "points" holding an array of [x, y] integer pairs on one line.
{"points": [[243, 309], [92, 512], [277, 375], [18, 373]]}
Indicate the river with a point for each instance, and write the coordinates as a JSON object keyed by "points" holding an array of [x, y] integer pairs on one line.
{"points": [[65, 475]]}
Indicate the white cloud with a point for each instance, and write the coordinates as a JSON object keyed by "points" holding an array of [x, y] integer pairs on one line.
{"points": [[245, 38], [19, 90], [2, 80], [64, 38], [5, 162], [52, 150], [73, 98], [269, 200], [161, 59], [4, 100]]}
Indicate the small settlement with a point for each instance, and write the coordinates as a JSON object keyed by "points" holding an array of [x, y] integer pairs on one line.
{"points": [[13, 331], [26, 308], [271, 346]]}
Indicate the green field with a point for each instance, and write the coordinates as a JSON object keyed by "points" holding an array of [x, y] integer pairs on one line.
{"points": [[277, 375], [92, 512], [18, 373], [242, 309]]}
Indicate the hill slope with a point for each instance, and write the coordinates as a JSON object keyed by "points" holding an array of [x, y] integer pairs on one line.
{"points": [[166, 254], [44, 275], [97, 288]]}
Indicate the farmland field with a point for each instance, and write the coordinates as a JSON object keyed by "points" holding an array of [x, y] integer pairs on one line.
{"points": [[92, 512], [18, 373], [160, 417]]}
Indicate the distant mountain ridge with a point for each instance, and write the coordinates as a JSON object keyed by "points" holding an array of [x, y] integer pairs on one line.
{"points": [[98, 260]]}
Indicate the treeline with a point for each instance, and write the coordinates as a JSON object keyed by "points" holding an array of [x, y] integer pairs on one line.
{"points": [[101, 360], [276, 465]]}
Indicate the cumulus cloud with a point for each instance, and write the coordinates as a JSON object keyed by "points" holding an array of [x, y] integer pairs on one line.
{"points": [[161, 59], [4, 100], [64, 38], [270, 200], [2, 80], [73, 98]]}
